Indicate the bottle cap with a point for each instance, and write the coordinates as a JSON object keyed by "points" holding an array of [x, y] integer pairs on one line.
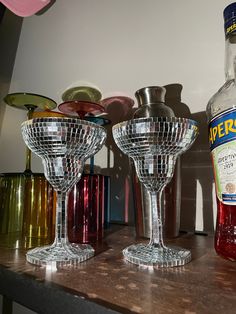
{"points": [[230, 19], [230, 11]]}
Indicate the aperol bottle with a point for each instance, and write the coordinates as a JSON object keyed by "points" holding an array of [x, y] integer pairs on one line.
{"points": [[221, 113]]}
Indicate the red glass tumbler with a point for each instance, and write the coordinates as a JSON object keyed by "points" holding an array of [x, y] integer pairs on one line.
{"points": [[86, 210]]}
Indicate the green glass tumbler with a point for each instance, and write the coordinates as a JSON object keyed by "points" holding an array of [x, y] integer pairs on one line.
{"points": [[26, 210]]}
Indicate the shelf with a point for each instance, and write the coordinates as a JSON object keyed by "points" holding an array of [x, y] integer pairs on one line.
{"points": [[107, 284]]}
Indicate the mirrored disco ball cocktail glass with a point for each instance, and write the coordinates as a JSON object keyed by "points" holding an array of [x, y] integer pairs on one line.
{"points": [[154, 144], [63, 144]]}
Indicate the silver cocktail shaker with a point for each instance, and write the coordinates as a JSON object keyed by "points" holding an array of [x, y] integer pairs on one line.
{"points": [[151, 103]]}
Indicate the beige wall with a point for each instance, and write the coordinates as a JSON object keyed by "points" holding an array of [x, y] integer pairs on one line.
{"points": [[121, 46]]}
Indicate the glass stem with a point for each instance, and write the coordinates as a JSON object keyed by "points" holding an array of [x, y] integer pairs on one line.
{"points": [[28, 160], [61, 236], [156, 236], [31, 109]]}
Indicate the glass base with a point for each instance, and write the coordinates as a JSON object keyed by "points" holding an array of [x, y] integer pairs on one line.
{"points": [[70, 254], [148, 255]]}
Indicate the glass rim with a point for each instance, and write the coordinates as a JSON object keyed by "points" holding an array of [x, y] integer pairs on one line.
{"points": [[62, 119], [155, 119], [21, 174], [7, 99]]}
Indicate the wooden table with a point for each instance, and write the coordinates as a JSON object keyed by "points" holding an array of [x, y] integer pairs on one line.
{"points": [[108, 284]]}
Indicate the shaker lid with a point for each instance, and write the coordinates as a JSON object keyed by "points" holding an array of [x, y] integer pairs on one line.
{"points": [[151, 103], [150, 94]]}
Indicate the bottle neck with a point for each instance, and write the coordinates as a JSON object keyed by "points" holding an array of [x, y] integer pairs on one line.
{"points": [[230, 55]]}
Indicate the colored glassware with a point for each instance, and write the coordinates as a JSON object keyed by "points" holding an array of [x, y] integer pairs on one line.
{"points": [[84, 93], [89, 202], [29, 102], [26, 198], [86, 200], [86, 210], [80, 108], [11, 209], [26, 210]]}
